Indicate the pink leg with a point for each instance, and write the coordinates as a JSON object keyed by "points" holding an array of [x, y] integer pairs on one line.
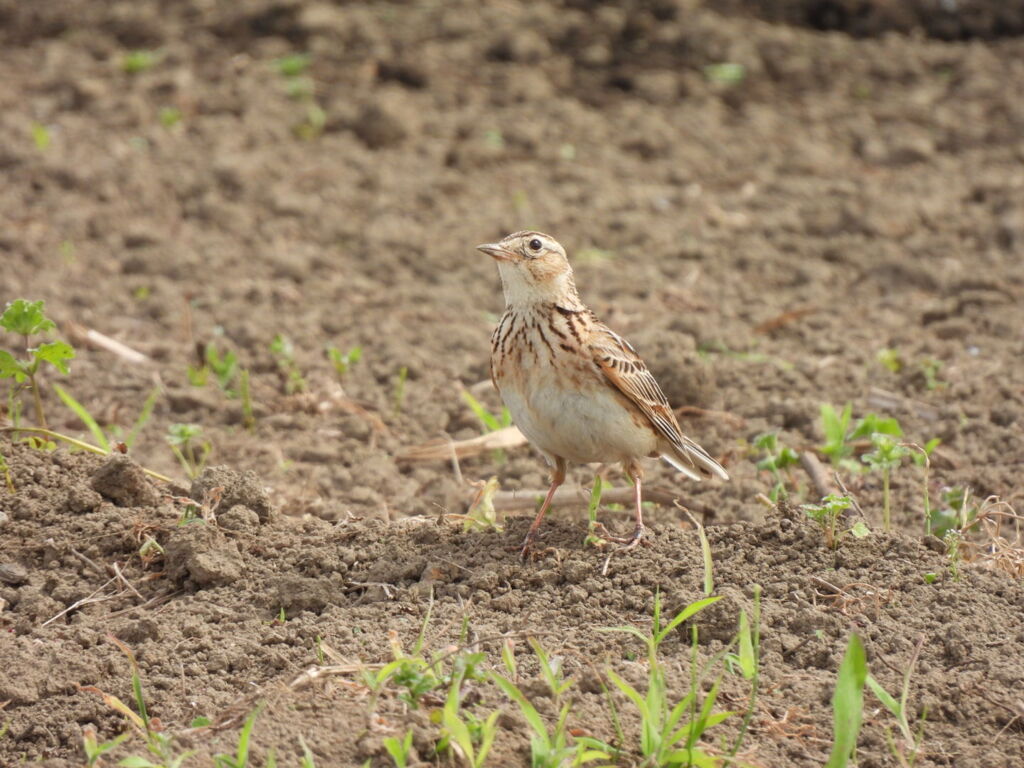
{"points": [[557, 478], [636, 474]]}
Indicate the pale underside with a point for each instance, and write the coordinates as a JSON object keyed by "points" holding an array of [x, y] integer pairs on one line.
{"points": [[599, 404]]}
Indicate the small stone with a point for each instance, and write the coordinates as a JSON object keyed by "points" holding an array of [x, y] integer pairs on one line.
{"points": [[13, 573]]}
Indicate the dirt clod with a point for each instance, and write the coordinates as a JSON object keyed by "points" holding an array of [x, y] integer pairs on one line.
{"points": [[122, 481], [236, 488], [199, 553]]}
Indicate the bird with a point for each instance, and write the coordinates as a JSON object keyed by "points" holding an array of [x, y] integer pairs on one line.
{"points": [[577, 390]]}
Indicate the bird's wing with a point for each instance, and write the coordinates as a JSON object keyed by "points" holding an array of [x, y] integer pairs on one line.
{"points": [[623, 367]]}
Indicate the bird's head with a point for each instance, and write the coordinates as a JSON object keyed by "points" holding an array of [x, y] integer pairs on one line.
{"points": [[533, 268]]}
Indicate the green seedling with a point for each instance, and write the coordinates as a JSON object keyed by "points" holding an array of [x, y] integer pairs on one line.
{"points": [[400, 751], [490, 422], [343, 361], [41, 136], [748, 659], [890, 359], [906, 753], [134, 62], [158, 743], [463, 733], [956, 511], [284, 355], [103, 440], [189, 447], [725, 73], [245, 394], [885, 458], [848, 703], [306, 761], [594, 539], [836, 427], [840, 435], [399, 393], [828, 515], [481, 515], [93, 749], [930, 370], [293, 65], [312, 123], [241, 757], [551, 749], [493, 139], [665, 739], [7, 474], [224, 367], [27, 318], [169, 117], [777, 457]]}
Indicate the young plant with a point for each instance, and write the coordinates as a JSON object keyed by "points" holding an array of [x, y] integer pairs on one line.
{"points": [[158, 743], [26, 318], [463, 732], [665, 740], [241, 757], [400, 751], [777, 457], [836, 428], [828, 515], [189, 447], [343, 361], [93, 749], [840, 435], [905, 753], [107, 443], [749, 662], [594, 539], [885, 458], [399, 394], [848, 703], [490, 422], [284, 355], [481, 515]]}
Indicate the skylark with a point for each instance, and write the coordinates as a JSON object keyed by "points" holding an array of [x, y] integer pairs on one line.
{"points": [[575, 388]]}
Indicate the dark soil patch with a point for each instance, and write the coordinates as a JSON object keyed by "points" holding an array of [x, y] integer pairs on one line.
{"points": [[759, 207]]}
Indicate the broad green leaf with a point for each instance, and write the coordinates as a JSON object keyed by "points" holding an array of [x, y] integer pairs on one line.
{"points": [[25, 317], [11, 367], [848, 703], [137, 761], [57, 353], [860, 529]]}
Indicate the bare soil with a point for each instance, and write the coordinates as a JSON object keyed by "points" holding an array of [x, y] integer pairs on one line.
{"points": [[759, 232]]}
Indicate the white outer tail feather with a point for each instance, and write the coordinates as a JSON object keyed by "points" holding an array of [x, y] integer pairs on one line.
{"points": [[692, 458]]}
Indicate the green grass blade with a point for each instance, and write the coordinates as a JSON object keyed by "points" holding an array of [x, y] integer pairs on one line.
{"points": [[529, 711], [883, 696], [848, 703], [144, 414], [86, 417], [486, 417], [748, 661], [686, 613]]}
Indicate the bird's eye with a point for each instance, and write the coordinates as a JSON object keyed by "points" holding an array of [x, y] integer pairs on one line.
{"points": [[535, 244]]}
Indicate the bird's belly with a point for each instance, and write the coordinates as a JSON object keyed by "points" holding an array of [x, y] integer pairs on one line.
{"points": [[581, 426]]}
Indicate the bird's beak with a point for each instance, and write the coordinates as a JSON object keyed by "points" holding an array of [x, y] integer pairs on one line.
{"points": [[496, 251]]}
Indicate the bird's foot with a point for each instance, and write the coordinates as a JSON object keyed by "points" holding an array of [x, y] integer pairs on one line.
{"points": [[525, 549], [639, 536]]}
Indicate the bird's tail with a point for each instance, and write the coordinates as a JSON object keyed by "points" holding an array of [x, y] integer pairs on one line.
{"points": [[693, 461]]}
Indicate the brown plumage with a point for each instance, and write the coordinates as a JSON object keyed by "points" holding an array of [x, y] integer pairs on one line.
{"points": [[575, 388]]}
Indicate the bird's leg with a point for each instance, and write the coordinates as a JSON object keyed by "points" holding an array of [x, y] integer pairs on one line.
{"points": [[636, 474], [557, 478]]}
